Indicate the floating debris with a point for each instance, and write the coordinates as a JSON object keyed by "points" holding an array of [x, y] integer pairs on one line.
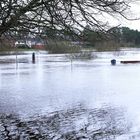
{"points": [[130, 61]]}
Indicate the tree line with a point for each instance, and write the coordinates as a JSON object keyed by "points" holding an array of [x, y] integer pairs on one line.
{"points": [[122, 35]]}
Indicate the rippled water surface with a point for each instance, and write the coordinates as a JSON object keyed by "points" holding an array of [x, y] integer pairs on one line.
{"points": [[53, 84]]}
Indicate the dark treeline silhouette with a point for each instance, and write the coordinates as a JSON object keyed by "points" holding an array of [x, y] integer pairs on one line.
{"points": [[122, 35], [126, 35]]}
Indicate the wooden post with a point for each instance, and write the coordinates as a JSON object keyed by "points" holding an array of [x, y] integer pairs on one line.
{"points": [[33, 57], [16, 57]]}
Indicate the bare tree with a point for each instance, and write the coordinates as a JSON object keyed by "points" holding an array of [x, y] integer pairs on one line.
{"points": [[35, 15]]}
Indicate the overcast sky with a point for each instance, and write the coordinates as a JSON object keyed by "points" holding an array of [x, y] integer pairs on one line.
{"points": [[135, 13]]}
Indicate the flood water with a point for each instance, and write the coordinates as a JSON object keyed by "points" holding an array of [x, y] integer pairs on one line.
{"points": [[55, 84]]}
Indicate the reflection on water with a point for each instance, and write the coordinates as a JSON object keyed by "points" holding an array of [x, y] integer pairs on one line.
{"points": [[53, 86], [72, 124]]}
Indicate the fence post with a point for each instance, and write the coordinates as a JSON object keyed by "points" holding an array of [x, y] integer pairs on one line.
{"points": [[33, 57]]}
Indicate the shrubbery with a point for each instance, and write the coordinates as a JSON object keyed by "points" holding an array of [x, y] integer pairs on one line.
{"points": [[60, 47], [108, 46]]}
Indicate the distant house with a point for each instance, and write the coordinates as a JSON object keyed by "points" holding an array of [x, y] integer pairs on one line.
{"points": [[38, 43], [22, 44], [31, 42]]}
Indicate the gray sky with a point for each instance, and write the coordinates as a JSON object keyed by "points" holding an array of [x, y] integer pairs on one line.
{"points": [[134, 13]]}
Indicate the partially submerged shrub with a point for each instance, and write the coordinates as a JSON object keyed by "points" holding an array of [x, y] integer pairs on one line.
{"points": [[108, 46], [60, 47], [82, 55]]}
